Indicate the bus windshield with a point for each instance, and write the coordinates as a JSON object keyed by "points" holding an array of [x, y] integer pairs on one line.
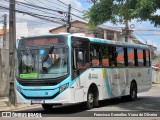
{"points": [[47, 62]]}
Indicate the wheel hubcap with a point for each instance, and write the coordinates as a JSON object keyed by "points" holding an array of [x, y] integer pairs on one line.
{"points": [[90, 98], [133, 93]]}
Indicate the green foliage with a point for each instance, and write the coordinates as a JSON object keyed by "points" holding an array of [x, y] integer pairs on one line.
{"points": [[119, 10], [100, 12]]}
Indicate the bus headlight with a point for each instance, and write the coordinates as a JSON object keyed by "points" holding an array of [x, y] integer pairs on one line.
{"points": [[63, 87]]}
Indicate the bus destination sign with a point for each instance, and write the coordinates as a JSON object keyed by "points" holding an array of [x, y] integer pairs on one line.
{"points": [[42, 41]]}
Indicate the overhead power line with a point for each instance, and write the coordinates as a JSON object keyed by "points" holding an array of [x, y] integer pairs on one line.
{"points": [[71, 7], [57, 4], [39, 10], [48, 18], [48, 5], [44, 8]]}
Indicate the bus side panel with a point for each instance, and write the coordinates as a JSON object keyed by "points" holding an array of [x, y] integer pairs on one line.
{"points": [[142, 76], [118, 81], [148, 79], [111, 82], [83, 82]]}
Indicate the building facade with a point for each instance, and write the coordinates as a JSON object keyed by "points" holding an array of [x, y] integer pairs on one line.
{"points": [[103, 32], [2, 41]]}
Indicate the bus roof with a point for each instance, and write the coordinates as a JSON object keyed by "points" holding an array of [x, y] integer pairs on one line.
{"points": [[111, 42], [43, 35], [96, 40]]}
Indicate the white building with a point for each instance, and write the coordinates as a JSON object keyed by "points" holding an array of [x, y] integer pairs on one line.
{"points": [[22, 30]]}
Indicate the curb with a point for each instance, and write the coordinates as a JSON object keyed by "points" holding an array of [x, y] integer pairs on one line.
{"points": [[155, 84]]}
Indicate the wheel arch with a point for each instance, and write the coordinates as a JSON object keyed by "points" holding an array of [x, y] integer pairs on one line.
{"points": [[92, 90], [134, 81], [94, 87]]}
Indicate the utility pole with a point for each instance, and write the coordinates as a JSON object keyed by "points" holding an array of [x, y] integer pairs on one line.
{"points": [[126, 30], [69, 19], [4, 30], [12, 52]]}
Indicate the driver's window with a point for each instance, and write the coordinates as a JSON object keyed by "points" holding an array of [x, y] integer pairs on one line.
{"points": [[80, 59]]}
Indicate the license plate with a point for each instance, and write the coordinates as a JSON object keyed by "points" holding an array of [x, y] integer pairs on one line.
{"points": [[37, 101]]}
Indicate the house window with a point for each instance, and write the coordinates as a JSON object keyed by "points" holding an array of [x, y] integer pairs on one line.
{"points": [[110, 35]]}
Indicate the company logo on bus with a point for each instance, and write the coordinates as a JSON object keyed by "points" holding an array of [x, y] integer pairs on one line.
{"points": [[92, 76]]}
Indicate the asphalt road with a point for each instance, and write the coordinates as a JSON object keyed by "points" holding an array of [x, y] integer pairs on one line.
{"points": [[148, 101]]}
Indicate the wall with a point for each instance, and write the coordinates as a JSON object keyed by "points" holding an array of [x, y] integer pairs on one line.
{"points": [[156, 75], [4, 72], [7, 41]]}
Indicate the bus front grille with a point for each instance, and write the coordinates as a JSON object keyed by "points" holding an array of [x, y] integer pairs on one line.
{"points": [[38, 84]]}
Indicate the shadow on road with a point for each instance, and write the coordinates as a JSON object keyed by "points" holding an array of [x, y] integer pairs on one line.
{"points": [[145, 103], [141, 104]]}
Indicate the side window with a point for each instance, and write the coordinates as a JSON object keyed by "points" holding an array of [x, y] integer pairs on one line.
{"points": [[80, 59], [105, 57], [147, 57], [120, 56], [131, 57], [79, 62], [95, 55], [140, 57], [112, 56]]}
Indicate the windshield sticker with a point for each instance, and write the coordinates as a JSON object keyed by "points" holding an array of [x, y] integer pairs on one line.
{"points": [[42, 52], [29, 75]]}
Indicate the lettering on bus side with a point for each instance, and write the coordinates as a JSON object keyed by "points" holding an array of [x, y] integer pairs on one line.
{"points": [[92, 76], [117, 76]]}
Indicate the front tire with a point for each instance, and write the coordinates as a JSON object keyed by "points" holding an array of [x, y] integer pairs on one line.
{"points": [[47, 107], [133, 91], [90, 100]]}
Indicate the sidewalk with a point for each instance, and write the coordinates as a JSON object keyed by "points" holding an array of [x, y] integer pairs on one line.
{"points": [[4, 103], [155, 84]]}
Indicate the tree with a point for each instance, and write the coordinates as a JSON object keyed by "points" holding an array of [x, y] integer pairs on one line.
{"points": [[121, 10], [111, 10], [92, 1], [146, 10]]}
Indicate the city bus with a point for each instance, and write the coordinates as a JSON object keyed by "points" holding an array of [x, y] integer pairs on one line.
{"points": [[66, 69]]}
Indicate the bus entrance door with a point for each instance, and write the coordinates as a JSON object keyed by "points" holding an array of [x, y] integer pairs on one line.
{"points": [[79, 62]]}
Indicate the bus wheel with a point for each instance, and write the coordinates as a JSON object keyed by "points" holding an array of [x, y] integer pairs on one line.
{"points": [[47, 107], [90, 100], [133, 91]]}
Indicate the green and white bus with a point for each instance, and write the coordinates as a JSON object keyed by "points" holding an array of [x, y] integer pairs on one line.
{"points": [[66, 69]]}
